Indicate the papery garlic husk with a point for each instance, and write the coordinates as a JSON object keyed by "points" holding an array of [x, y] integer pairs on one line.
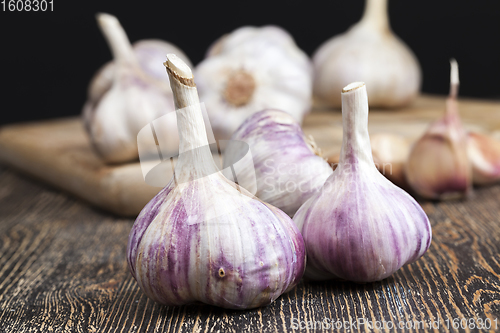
{"points": [[150, 53], [249, 71], [245, 38], [204, 238], [128, 93], [288, 169], [390, 153], [484, 154], [438, 166], [370, 51], [360, 226]]}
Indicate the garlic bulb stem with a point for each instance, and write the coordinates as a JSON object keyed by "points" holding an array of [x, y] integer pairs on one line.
{"points": [[117, 38], [451, 112], [454, 80], [376, 14], [355, 138], [192, 132]]}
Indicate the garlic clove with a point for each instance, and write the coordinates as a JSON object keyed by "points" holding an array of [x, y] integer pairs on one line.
{"points": [[288, 166], [252, 72], [484, 154], [127, 94], [438, 166], [359, 226], [368, 50], [390, 153], [204, 238]]}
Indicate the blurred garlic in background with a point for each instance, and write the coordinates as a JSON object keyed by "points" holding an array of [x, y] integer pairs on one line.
{"points": [[484, 154], [390, 152], [368, 51], [288, 167], [252, 69], [128, 93], [438, 166]]}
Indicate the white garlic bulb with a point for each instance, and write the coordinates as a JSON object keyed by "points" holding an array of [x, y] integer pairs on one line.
{"points": [[203, 238], [368, 51], [250, 70], [287, 167], [128, 93], [438, 166], [359, 226]]}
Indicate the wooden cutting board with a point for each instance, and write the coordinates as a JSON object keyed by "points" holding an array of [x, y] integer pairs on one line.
{"points": [[58, 152]]}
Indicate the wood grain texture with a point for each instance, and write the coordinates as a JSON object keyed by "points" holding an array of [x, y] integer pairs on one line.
{"points": [[59, 152], [63, 269]]}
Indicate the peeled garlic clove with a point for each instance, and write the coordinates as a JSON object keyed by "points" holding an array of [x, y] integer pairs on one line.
{"points": [[287, 167], [369, 50], [390, 152], [484, 154], [359, 226], [438, 166], [203, 238], [127, 94], [252, 73]]}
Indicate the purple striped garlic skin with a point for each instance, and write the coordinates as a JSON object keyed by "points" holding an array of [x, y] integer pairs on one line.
{"points": [[287, 169], [244, 259], [360, 227], [204, 238]]}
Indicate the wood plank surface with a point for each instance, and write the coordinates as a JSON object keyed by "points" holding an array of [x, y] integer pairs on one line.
{"points": [[63, 269], [59, 152]]}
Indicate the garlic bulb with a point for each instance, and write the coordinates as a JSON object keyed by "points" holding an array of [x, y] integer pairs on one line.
{"points": [[484, 154], [287, 168], [250, 70], [438, 166], [370, 51], [360, 226], [204, 238], [390, 152], [127, 94]]}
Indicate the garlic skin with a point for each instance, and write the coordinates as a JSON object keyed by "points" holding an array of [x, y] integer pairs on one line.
{"points": [[438, 166], [249, 71], [287, 168], [204, 238], [360, 226], [484, 154], [150, 53], [370, 51], [127, 94], [390, 152]]}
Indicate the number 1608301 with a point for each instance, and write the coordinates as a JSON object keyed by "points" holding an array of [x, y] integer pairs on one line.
{"points": [[27, 5]]}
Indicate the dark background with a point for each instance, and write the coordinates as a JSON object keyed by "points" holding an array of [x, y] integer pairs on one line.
{"points": [[48, 58]]}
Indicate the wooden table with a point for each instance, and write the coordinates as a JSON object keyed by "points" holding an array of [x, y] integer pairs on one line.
{"points": [[63, 269]]}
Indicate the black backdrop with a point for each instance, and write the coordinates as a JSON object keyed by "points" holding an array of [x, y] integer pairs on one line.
{"points": [[47, 58]]}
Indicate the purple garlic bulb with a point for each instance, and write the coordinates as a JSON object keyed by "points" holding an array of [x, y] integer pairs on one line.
{"points": [[288, 168], [360, 226], [204, 238]]}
